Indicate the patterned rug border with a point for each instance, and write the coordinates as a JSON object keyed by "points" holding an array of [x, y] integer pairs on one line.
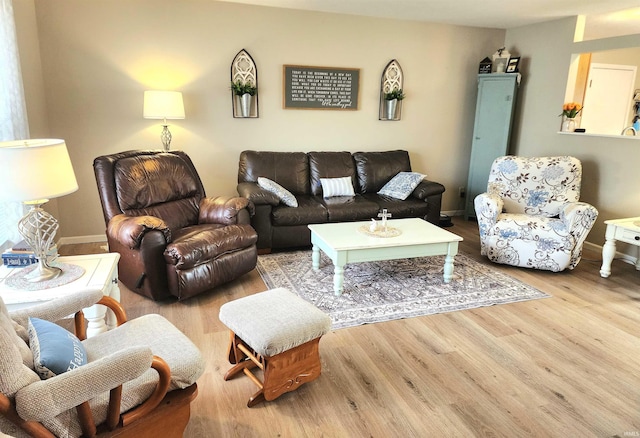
{"points": [[474, 285]]}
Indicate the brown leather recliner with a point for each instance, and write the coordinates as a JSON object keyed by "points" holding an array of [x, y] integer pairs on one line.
{"points": [[172, 239]]}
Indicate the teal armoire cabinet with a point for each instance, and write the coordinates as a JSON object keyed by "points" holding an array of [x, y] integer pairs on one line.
{"points": [[491, 130]]}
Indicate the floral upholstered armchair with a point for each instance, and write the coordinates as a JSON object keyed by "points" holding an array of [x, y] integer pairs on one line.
{"points": [[530, 215]]}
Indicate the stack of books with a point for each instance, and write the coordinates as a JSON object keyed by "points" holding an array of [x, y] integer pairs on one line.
{"points": [[21, 255]]}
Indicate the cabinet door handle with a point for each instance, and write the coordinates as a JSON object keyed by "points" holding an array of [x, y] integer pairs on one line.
{"points": [[637, 237]]}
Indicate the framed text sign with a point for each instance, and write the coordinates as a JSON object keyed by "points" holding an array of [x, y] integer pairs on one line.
{"points": [[329, 88]]}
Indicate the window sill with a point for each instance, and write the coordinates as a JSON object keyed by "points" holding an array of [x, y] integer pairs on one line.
{"points": [[584, 134]]}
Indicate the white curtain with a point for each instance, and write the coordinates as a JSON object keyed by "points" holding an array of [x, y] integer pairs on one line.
{"points": [[13, 113]]}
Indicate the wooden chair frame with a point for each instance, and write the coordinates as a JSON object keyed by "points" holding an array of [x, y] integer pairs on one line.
{"points": [[283, 372]]}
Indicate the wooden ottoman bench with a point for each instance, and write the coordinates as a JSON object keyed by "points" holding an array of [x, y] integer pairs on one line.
{"points": [[278, 332]]}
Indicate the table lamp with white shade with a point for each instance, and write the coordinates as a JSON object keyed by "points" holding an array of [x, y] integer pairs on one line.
{"points": [[163, 105], [33, 172]]}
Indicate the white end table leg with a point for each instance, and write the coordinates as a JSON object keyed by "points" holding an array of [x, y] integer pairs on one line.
{"points": [[608, 252], [338, 279], [95, 316], [315, 257]]}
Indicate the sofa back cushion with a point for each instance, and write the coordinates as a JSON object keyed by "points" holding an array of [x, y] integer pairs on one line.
{"points": [[330, 165], [375, 169], [289, 169]]}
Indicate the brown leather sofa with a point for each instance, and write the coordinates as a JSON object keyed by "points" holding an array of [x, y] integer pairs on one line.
{"points": [[280, 226], [172, 239]]}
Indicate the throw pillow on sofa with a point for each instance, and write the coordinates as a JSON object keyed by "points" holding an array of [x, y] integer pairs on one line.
{"points": [[285, 196], [402, 185], [337, 187]]}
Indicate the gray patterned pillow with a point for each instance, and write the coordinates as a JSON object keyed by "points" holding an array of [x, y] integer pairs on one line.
{"points": [[285, 196], [402, 185]]}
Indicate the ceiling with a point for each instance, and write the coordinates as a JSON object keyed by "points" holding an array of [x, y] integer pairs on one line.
{"points": [[501, 14]]}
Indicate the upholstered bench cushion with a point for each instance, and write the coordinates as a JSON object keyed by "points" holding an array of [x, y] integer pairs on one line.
{"points": [[274, 321]]}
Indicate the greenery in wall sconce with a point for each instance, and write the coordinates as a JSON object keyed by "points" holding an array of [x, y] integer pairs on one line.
{"points": [[394, 94], [239, 88]]}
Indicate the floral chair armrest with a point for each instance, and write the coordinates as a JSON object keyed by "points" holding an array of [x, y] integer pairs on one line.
{"points": [[41, 400], [487, 206], [578, 218], [129, 230]]}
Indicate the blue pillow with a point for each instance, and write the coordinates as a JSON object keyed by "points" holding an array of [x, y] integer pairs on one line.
{"points": [[55, 350], [402, 185]]}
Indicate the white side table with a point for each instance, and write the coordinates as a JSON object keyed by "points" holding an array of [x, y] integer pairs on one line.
{"points": [[100, 271], [624, 230]]}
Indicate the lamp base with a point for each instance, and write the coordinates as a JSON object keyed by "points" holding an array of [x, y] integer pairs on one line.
{"points": [[39, 228], [165, 137], [43, 273]]}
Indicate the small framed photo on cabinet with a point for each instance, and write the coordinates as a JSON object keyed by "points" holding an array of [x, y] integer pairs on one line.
{"points": [[512, 65]]}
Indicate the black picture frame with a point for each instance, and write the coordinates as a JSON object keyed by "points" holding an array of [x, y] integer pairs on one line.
{"points": [[512, 65]]}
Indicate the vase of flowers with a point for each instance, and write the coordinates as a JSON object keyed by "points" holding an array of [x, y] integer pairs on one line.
{"points": [[569, 113], [245, 91], [391, 102]]}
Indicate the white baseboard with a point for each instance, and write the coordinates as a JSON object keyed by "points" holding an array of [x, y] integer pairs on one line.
{"points": [[98, 238]]}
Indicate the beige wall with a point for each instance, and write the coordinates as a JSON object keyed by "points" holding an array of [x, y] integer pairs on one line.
{"points": [[611, 178], [99, 56]]}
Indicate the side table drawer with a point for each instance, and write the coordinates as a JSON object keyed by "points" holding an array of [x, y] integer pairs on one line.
{"points": [[628, 236]]}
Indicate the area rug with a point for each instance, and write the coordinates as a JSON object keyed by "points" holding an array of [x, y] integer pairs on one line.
{"points": [[393, 289]]}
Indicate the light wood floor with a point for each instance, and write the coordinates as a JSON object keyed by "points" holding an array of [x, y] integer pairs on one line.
{"points": [[566, 366]]}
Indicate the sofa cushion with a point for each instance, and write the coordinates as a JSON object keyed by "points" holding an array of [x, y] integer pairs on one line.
{"points": [[309, 211], [402, 185], [289, 169], [410, 207], [284, 195], [350, 208], [330, 165], [337, 187], [375, 169], [199, 244]]}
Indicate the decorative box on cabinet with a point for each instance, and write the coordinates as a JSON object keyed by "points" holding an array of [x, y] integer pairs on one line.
{"points": [[100, 272], [491, 131]]}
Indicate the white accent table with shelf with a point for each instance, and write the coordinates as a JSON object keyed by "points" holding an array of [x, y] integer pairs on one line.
{"points": [[624, 230], [100, 271]]}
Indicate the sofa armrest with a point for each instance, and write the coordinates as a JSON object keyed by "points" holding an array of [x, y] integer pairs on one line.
{"points": [[225, 210], [256, 194], [129, 230], [427, 188]]}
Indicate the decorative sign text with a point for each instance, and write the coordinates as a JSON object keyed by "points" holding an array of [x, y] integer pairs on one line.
{"points": [[320, 87]]}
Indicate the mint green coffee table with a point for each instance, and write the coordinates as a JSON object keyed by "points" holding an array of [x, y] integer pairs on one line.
{"points": [[349, 242]]}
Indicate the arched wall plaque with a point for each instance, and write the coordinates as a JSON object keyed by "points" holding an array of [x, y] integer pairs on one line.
{"points": [[392, 80], [244, 72]]}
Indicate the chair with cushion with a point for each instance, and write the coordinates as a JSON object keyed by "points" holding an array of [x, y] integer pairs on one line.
{"points": [[136, 380], [173, 240], [531, 216]]}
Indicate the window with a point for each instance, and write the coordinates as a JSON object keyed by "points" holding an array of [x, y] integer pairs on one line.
{"points": [[13, 114]]}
